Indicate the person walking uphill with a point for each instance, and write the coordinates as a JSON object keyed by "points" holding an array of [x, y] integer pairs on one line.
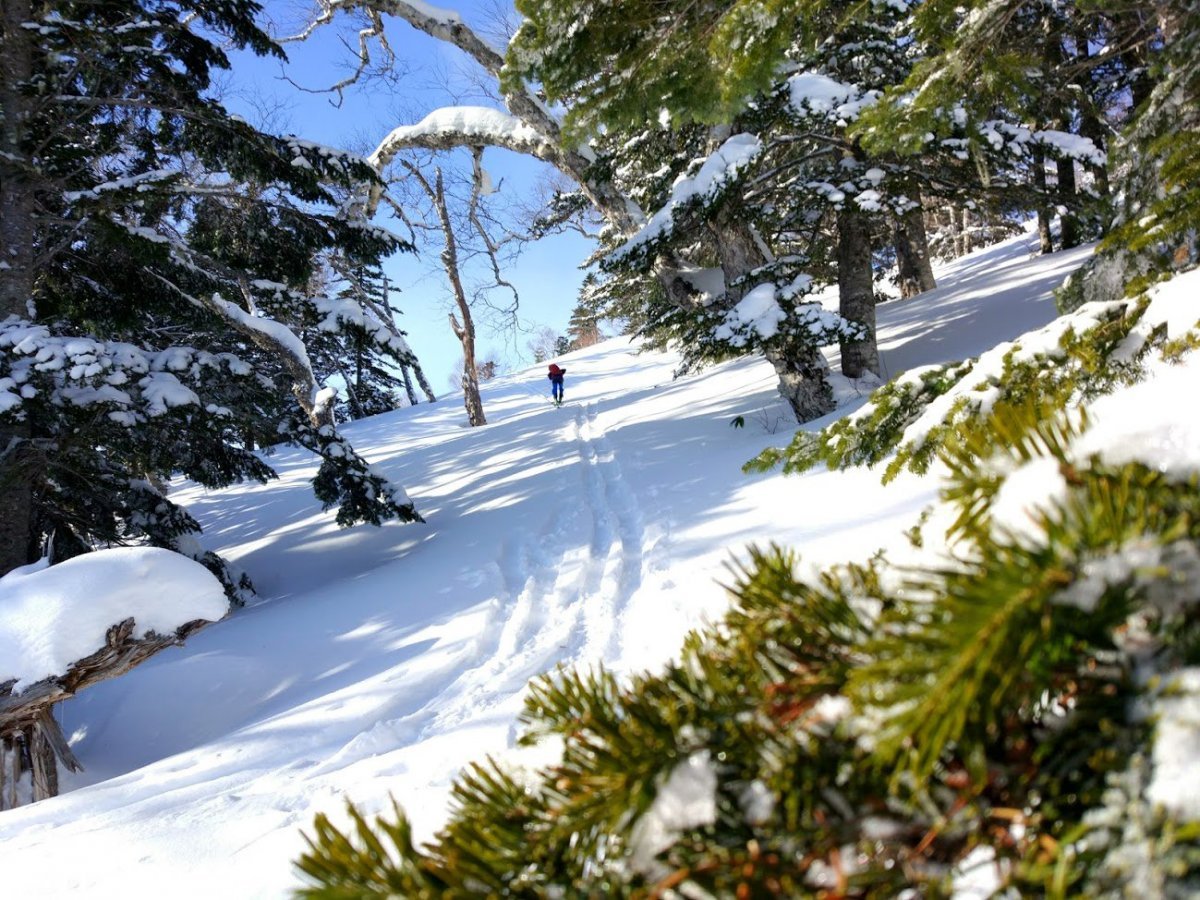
{"points": [[556, 383]]}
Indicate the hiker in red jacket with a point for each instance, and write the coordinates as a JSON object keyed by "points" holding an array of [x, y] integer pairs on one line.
{"points": [[556, 383]]}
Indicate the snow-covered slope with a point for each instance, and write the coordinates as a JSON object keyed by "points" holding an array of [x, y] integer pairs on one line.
{"points": [[379, 661]]}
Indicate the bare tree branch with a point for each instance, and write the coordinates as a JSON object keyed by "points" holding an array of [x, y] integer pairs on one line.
{"points": [[477, 183], [542, 135]]}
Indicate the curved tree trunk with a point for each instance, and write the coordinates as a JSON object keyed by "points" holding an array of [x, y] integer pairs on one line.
{"points": [[30, 739], [464, 330], [802, 370]]}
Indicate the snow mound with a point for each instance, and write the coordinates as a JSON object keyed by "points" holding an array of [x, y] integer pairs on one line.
{"points": [[53, 617]]}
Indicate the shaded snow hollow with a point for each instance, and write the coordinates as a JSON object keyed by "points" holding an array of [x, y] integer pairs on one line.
{"points": [[379, 661]]}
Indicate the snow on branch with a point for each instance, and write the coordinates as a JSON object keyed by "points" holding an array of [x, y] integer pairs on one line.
{"points": [[769, 311], [268, 334], [465, 126], [444, 24], [132, 383], [812, 93], [1059, 144], [339, 313], [83, 621], [136, 183], [717, 171], [541, 134]]}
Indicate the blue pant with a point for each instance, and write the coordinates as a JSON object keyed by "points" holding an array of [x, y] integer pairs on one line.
{"points": [[556, 391]]}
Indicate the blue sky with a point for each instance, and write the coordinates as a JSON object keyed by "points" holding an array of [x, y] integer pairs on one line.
{"points": [[546, 274]]}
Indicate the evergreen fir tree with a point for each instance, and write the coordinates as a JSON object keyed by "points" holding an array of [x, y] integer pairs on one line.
{"points": [[583, 328], [371, 376], [791, 189], [156, 255], [1117, 68]]}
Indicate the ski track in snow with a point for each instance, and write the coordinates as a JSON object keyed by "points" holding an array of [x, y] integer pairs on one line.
{"points": [[560, 603], [563, 602], [618, 534]]}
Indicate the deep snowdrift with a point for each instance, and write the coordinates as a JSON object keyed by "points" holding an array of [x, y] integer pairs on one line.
{"points": [[379, 661]]}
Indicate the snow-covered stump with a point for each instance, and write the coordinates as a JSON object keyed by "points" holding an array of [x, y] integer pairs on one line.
{"points": [[56, 640], [38, 748]]}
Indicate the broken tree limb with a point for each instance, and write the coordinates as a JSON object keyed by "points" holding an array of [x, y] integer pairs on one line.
{"points": [[28, 729]]}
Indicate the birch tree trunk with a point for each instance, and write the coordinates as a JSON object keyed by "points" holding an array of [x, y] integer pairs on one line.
{"points": [[406, 377], [856, 290], [965, 244], [423, 382], [464, 330]]}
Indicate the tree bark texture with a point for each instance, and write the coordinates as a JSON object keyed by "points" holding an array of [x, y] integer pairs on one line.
{"points": [[912, 253], [737, 250], [804, 383], [18, 185], [406, 377], [45, 765], [464, 330], [856, 290], [423, 382], [1044, 214], [803, 373], [1069, 228]]}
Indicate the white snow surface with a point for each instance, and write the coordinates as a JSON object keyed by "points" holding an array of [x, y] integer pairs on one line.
{"points": [[52, 617], [1175, 784], [379, 661], [1136, 424]]}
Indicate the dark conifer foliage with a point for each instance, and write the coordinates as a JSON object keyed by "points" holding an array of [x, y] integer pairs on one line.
{"points": [[372, 377], [156, 251]]}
